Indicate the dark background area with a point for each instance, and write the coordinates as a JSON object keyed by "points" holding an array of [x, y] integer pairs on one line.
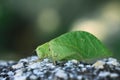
{"points": [[25, 24]]}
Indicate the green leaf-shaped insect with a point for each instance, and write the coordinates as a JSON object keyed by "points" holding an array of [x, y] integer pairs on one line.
{"points": [[79, 45]]}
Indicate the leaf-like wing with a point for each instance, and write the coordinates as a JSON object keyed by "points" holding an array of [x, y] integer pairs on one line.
{"points": [[78, 45]]}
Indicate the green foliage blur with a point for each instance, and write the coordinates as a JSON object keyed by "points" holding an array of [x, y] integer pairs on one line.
{"points": [[25, 24]]}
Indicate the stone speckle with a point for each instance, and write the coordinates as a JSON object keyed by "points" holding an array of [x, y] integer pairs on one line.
{"points": [[61, 74], [99, 64], [113, 75], [104, 74], [32, 68]]}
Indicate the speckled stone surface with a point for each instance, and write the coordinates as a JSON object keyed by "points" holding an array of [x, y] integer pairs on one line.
{"points": [[31, 68]]}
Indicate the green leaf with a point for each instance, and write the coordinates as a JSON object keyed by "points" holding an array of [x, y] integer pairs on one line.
{"points": [[79, 45]]}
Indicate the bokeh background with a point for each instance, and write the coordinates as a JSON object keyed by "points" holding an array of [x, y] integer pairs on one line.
{"points": [[25, 24]]}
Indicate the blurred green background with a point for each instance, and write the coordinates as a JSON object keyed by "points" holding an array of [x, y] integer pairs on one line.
{"points": [[25, 24]]}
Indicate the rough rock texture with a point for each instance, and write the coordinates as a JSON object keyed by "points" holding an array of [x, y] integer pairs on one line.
{"points": [[32, 69]]}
